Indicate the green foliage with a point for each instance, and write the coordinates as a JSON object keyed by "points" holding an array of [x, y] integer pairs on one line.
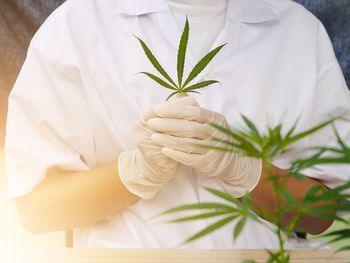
{"points": [[155, 62], [340, 235], [324, 155], [181, 54], [268, 146], [231, 210], [181, 87], [220, 223], [277, 257], [198, 68]]}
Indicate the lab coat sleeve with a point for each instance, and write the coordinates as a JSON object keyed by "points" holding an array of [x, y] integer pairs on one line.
{"points": [[48, 124], [331, 98]]}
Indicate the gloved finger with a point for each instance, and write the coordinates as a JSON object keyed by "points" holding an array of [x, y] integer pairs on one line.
{"points": [[176, 111], [189, 112], [187, 145], [181, 128], [183, 100], [152, 152], [142, 130], [148, 144], [181, 157], [149, 115]]}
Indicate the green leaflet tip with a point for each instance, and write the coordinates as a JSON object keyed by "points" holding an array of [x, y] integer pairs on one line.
{"points": [[138, 38]]}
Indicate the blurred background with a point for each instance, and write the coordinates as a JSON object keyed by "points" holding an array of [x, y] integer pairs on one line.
{"points": [[19, 20]]}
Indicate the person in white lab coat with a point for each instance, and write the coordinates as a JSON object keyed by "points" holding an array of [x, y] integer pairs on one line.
{"points": [[73, 161]]}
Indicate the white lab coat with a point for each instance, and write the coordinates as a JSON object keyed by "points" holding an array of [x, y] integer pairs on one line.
{"points": [[77, 99]]}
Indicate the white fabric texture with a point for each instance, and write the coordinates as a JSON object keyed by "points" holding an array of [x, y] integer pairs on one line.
{"points": [[78, 98], [206, 19], [181, 129]]}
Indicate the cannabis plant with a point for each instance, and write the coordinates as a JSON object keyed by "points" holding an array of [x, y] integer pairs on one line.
{"points": [[269, 146], [180, 86]]}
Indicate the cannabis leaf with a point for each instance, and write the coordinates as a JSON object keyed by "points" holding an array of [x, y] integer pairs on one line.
{"points": [[181, 87], [233, 209], [268, 146]]}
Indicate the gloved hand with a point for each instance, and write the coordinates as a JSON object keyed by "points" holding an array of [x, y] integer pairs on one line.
{"points": [[145, 170], [181, 129]]}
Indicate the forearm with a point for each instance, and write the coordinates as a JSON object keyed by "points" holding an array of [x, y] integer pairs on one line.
{"points": [[67, 200], [263, 196]]}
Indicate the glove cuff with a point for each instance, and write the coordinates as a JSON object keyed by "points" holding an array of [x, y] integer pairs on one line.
{"points": [[135, 176], [244, 175]]}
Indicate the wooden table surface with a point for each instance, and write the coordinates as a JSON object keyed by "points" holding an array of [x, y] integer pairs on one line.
{"points": [[162, 256]]}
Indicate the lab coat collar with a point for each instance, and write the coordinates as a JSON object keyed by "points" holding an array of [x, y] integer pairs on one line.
{"points": [[140, 7], [251, 11], [245, 11]]}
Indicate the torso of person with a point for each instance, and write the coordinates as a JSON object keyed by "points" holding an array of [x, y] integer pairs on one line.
{"points": [[268, 71]]}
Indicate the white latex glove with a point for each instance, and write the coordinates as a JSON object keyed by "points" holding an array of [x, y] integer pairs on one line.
{"points": [[181, 127], [145, 170]]}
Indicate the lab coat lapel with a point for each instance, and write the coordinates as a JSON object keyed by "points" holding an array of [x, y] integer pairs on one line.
{"points": [[239, 12], [229, 37], [172, 33], [169, 28]]}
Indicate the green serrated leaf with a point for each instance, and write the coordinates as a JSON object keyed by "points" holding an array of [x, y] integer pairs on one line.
{"points": [[328, 160], [202, 64], [172, 94], [155, 62], [273, 257], [306, 133], [239, 227], [225, 130], [324, 149], [287, 196], [200, 216], [291, 130], [252, 127], [159, 81], [200, 85], [231, 144], [211, 147], [297, 175], [342, 232], [311, 193], [223, 195], [211, 228], [339, 139], [344, 248], [181, 54], [321, 214], [335, 194], [245, 143], [341, 188], [342, 220], [339, 235], [332, 207], [200, 206]]}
